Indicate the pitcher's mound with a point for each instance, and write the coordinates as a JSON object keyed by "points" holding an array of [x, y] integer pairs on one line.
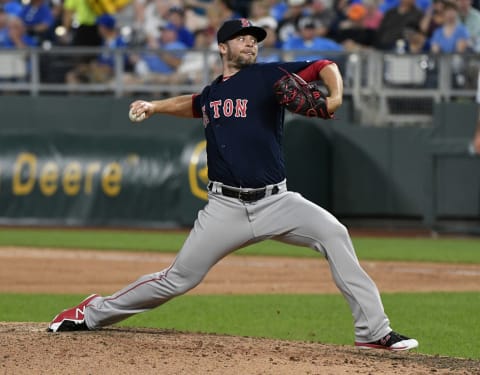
{"points": [[28, 349]]}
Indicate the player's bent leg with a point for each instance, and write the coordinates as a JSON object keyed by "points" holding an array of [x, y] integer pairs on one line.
{"points": [[210, 239], [148, 292], [303, 223]]}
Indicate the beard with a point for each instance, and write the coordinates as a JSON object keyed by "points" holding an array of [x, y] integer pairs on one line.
{"points": [[240, 61]]}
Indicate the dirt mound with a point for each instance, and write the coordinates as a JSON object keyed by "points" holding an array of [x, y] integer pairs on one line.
{"points": [[28, 349]]}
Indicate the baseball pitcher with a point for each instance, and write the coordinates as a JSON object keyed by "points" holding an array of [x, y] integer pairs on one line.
{"points": [[243, 115]]}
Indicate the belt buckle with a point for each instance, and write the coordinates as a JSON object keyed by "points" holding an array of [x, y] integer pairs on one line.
{"points": [[245, 196], [251, 196]]}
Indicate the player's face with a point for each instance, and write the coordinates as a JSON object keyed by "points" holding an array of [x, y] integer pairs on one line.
{"points": [[241, 51]]}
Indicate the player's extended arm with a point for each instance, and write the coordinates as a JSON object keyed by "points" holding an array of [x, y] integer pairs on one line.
{"points": [[180, 106], [328, 72], [332, 79]]}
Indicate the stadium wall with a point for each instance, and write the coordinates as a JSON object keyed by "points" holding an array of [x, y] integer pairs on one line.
{"points": [[80, 161]]}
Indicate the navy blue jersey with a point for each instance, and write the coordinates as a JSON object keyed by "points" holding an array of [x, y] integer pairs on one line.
{"points": [[244, 126]]}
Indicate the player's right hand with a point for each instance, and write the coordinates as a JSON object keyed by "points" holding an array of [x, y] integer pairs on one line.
{"points": [[140, 110]]}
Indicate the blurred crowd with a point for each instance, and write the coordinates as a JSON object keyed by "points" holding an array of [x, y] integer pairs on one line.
{"points": [[166, 36]]}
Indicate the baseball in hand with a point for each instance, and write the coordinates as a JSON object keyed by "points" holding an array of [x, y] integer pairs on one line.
{"points": [[136, 118]]}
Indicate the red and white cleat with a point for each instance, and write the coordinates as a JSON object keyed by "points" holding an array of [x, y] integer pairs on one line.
{"points": [[72, 319]]}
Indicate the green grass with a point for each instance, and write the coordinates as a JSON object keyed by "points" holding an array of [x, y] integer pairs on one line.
{"points": [[93, 239], [460, 250], [444, 323]]}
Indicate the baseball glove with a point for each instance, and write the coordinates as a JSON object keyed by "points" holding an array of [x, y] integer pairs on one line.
{"points": [[300, 97]]}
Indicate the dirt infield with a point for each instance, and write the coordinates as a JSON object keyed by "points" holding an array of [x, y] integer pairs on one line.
{"points": [[26, 348]]}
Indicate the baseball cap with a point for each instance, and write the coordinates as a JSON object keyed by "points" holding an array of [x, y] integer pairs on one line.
{"points": [[106, 20], [241, 26]]}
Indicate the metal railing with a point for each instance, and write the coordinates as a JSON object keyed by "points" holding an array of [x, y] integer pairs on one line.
{"points": [[385, 88]]}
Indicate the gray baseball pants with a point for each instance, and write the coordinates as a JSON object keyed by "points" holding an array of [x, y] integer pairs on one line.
{"points": [[227, 224]]}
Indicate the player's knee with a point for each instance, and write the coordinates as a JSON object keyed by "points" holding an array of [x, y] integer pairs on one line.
{"points": [[339, 230], [182, 280]]}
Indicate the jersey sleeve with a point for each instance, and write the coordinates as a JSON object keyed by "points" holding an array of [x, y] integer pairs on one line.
{"points": [[311, 72], [196, 106], [308, 70]]}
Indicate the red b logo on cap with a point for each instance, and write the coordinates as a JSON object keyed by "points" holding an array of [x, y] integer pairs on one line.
{"points": [[245, 22]]}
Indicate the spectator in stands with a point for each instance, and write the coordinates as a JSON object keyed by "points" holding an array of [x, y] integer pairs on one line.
{"points": [[394, 23], [260, 14], [154, 16], [56, 8], [14, 34], [11, 7], [368, 9], [196, 13], [374, 15], [416, 41], [126, 14], [79, 21], [433, 18], [470, 17], [38, 19], [226, 9], [100, 70], [192, 69], [3, 21], [287, 27], [308, 41], [452, 36], [164, 57], [278, 9], [386, 5], [219, 12], [352, 33], [324, 16], [129, 21], [269, 48], [176, 17]]}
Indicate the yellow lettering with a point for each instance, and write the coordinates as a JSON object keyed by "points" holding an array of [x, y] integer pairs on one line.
{"points": [[48, 180], [50, 177], [26, 164], [198, 170], [71, 178], [111, 179], [92, 168]]}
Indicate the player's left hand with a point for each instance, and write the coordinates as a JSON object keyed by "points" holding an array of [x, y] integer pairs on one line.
{"points": [[300, 97]]}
